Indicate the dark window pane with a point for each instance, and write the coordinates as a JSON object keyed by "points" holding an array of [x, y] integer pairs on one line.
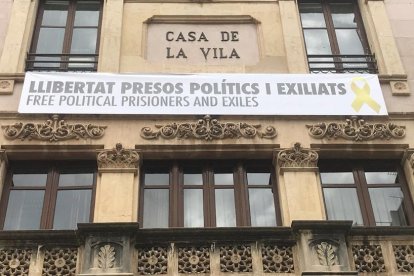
{"points": [[343, 15], [337, 178], [258, 178], [311, 15], [262, 208], [50, 41], [317, 42], [24, 210], [87, 13], [349, 42], [83, 41], [157, 179], [156, 208], [55, 13], [72, 207], [225, 209], [342, 204], [381, 177], [387, 206], [193, 179], [76, 179], [30, 179], [223, 179], [193, 208]]}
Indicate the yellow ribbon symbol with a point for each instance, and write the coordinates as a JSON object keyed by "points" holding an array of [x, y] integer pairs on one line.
{"points": [[362, 95]]}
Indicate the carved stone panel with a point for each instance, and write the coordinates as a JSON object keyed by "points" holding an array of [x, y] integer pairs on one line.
{"points": [[194, 260], [152, 261], [368, 258], [277, 259], [118, 157], [14, 261], [236, 259], [297, 157], [404, 257], [60, 262]]}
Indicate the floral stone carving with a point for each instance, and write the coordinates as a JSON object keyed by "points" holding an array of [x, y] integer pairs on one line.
{"points": [[194, 260], [297, 157], [277, 259], [14, 261], [326, 254], [52, 130], [60, 261], [118, 158], [208, 129], [236, 259], [152, 261], [357, 130], [368, 258], [106, 257], [404, 257]]}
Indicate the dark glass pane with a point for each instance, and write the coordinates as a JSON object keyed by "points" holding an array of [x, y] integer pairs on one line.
{"points": [[223, 179], [193, 208], [342, 204], [343, 15], [317, 42], [71, 208], [156, 204], [381, 177], [258, 178], [76, 179], [349, 42], [157, 179], [24, 210], [193, 179], [87, 13], [262, 208], [83, 41], [311, 15], [55, 13], [225, 210], [337, 178], [30, 179], [50, 41], [387, 206]]}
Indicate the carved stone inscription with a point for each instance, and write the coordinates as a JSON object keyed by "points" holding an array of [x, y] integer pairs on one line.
{"points": [[203, 43]]}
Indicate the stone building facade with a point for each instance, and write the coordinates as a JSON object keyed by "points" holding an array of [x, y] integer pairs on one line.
{"points": [[89, 193]]}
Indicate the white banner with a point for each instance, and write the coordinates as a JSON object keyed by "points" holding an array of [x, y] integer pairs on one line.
{"points": [[214, 94]]}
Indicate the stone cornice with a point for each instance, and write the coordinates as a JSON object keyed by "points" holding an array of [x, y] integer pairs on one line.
{"points": [[118, 159]]}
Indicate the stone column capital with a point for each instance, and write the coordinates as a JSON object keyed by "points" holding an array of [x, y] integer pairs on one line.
{"points": [[297, 158], [118, 159]]}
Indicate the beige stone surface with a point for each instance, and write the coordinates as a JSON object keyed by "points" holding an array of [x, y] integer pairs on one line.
{"points": [[116, 197], [5, 8]]}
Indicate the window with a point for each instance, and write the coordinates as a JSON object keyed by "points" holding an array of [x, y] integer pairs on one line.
{"points": [[66, 36], [334, 37], [371, 193], [47, 196], [208, 194]]}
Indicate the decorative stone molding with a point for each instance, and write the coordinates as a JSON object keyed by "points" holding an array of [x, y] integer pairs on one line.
{"points": [[52, 130], [368, 258], [326, 252], [152, 261], [297, 157], [357, 130], [6, 86], [404, 257], [194, 260], [60, 261], [208, 129], [400, 88], [15, 261], [236, 259], [277, 259], [118, 158]]}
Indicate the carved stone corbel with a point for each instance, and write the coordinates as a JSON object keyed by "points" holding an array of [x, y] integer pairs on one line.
{"points": [[297, 157], [118, 158]]}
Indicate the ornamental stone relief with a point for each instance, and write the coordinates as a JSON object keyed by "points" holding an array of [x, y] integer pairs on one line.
{"points": [[236, 259], [152, 261], [52, 130], [357, 130], [297, 157], [60, 262], [277, 259], [368, 258], [118, 157], [194, 260], [404, 257], [208, 129], [327, 253], [15, 261]]}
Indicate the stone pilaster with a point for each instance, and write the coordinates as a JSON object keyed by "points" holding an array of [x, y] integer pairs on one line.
{"points": [[408, 165], [299, 185], [116, 197]]}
